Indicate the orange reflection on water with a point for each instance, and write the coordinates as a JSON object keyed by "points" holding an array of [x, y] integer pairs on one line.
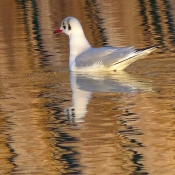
{"points": [[120, 133]]}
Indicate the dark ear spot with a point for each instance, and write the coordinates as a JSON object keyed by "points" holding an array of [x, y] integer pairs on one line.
{"points": [[69, 27]]}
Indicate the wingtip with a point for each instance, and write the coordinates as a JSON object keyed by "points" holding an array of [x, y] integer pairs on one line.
{"points": [[152, 48]]}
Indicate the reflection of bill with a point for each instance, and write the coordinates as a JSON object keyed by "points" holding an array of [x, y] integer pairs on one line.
{"points": [[83, 85]]}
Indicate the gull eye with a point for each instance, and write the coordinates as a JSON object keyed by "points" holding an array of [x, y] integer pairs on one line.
{"points": [[64, 27]]}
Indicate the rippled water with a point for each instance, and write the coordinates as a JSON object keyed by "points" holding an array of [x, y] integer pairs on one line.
{"points": [[54, 122]]}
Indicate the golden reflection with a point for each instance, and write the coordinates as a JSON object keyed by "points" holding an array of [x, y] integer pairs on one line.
{"points": [[159, 22], [7, 154], [122, 133], [27, 127], [17, 55], [158, 138], [100, 153], [119, 21]]}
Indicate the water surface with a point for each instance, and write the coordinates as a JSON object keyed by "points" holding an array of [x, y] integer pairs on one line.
{"points": [[56, 122]]}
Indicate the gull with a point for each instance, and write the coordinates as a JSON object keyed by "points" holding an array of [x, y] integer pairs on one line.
{"points": [[85, 58]]}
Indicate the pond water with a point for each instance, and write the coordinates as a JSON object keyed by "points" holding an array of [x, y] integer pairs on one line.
{"points": [[56, 122]]}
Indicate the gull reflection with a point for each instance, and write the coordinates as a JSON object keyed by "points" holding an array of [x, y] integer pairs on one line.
{"points": [[83, 85]]}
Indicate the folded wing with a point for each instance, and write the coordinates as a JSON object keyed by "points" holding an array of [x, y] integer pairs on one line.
{"points": [[106, 56]]}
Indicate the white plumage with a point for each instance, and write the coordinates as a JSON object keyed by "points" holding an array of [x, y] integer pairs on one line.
{"points": [[85, 58]]}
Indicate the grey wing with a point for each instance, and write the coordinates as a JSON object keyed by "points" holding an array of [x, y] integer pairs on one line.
{"points": [[106, 55]]}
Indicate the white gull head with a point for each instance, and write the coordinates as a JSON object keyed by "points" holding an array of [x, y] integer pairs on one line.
{"points": [[77, 40], [85, 58]]}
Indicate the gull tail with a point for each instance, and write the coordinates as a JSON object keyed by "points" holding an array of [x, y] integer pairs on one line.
{"points": [[139, 54]]}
